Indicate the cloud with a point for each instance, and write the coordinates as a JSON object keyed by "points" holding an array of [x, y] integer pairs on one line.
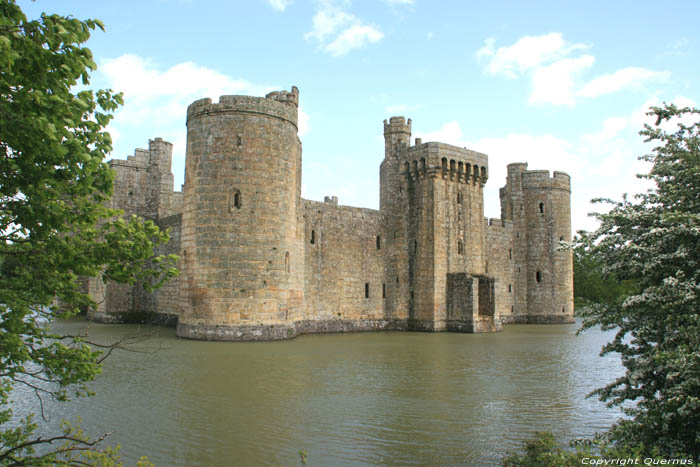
{"points": [[526, 54], [556, 67], [279, 5], [156, 100], [338, 32], [354, 37], [554, 84], [621, 79]]}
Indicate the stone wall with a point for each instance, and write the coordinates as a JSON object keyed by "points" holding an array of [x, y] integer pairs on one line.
{"points": [[501, 264], [344, 268]]}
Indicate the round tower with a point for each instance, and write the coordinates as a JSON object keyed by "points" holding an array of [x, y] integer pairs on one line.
{"points": [[241, 254], [547, 206], [393, 203]]}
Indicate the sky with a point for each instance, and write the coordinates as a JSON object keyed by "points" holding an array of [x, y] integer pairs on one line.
{"points": [[560, 85]]}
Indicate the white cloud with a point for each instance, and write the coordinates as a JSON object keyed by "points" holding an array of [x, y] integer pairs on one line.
{"points": [[354, 37], [526, 54], [555, 68], [279, 5], [621, 79], [156, 100], [554, 84], [338, 32]]}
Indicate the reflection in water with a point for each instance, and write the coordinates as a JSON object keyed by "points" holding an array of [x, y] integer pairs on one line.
{"points": [[369, 398]]}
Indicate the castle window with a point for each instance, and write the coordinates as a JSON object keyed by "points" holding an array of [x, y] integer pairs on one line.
{"points": [[563, 310], [460, 247], [510, 288], [510, 253], [561, 239], [366, 289], [415, 245], [235, 200], [313, 237], [286, 261], [486, 267], [238, 141], [383, 290], [541, 208], [517, 234], [538, 276], [459, 197], [397, 279], [379, 242]]}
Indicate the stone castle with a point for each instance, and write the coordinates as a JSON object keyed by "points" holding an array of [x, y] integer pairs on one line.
{"points": [[259, 262]]}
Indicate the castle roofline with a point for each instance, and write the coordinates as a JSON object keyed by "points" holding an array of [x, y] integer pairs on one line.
{"points": [[439, 150]]}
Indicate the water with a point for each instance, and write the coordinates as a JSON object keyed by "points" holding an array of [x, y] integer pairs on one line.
{"points": [[389, 398]]}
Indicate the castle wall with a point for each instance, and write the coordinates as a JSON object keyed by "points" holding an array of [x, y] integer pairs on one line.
{"points": [[344, 275], [499, 251]]}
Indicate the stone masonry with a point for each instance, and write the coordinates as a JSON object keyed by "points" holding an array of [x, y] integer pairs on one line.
{"points": [[258, 262]]}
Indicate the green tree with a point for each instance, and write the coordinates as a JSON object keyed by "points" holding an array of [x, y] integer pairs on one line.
{"points": [[591, 284], [54, 224], [655, 241]]}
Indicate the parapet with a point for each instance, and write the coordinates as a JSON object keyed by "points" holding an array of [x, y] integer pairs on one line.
{"points": [[537, 179], [397, 125], [280, 104]]}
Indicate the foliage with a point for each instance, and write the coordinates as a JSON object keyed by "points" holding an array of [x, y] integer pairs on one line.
{"points": [[544, 451], [655, 241], [591, 284], [55, 226]]}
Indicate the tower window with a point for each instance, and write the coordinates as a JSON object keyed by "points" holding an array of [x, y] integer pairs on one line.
{"points": [[510, 253], [379, 242], [366, 289], [460, 247], [397, 279], [542, 208], [486, 267], [510, 288], [313, 237], [235, 200], [459, 197], [238, 141], [538, 276], [286, 261], [415, 245], [561, 239], [383, 290]]}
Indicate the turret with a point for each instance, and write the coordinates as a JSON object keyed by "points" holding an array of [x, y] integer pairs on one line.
{"points": [[547, 209], [397, 135], [242, 251]]}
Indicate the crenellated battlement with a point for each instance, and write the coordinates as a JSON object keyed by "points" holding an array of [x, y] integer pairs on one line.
{"points": [[461, 165], [541, 179], [280, 104]]}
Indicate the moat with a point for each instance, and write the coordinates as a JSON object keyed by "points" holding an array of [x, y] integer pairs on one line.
{"points": [[383, 398]]}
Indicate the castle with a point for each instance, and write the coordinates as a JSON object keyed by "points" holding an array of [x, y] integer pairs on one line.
{"points": [[259, 262]]}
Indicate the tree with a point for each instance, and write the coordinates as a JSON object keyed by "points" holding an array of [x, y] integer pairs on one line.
{"points": [[655, 241], [591, 284], [54, 224]]}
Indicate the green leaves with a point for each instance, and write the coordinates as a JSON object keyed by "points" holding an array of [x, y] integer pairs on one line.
{"points": [[55, 226], [654, 243]]}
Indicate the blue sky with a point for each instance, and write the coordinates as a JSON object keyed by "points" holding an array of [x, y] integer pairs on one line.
{"points": [[560, 85]]}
